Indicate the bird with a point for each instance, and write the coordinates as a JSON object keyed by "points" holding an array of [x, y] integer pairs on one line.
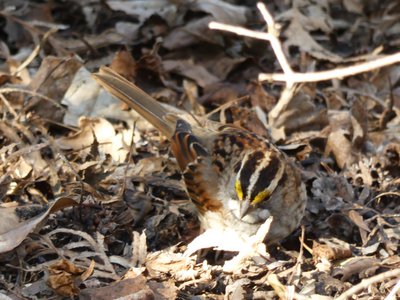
{"points": [[235, 178]]}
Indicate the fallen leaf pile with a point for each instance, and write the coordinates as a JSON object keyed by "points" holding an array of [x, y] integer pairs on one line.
{"points": [[92, 204]]}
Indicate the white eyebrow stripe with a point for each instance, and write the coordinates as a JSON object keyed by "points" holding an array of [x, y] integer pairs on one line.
{"points": [[264, 164], [253, 179], [245, 158]]}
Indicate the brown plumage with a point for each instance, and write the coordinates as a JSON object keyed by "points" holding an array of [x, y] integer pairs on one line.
{"points": [[235, 178]]}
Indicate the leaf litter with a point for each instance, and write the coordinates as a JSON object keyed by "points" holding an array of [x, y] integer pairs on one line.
{"points": [[92, 202]]}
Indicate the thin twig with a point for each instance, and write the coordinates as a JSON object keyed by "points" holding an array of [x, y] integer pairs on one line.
{"points": [[365, 283], [31, 93], [8, 105], [35, 52]]}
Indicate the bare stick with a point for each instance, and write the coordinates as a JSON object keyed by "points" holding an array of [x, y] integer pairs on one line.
{"points": [[367, 282], [240, 31], [335, 73], [392, 294], [275, 44]]}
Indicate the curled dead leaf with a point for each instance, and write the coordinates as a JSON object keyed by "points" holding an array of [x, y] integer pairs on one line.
{"points": [[101, 131], [192, 33], [62, 278], [124, 64], [52, 70], [190, 70], [330, 249], [340, 146], [362, 266]]}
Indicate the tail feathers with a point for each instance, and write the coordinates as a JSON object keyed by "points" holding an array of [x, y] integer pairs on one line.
{"points": [[137, 99]]}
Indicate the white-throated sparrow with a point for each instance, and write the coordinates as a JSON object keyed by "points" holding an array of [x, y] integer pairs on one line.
{"points": [[236, 179]]}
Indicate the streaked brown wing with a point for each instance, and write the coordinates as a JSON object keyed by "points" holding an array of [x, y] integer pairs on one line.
{"points": [[185, 146], [195, 163]]}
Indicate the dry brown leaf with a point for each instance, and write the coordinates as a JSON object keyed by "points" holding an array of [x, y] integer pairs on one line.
{"points": [[103, 132], [359, 122], [333, 193], [167, 262], [132, 288], [192, 94], [124, 64], [330, 249], [301, 114], [314, 15], [222, 11], [21, 168], [52, 80], [16, 231], [149, 165], [4, 78], [297, 36], [220, 93], [79, 141], [340, 146], [139, 249], [362, 266], [96, 41], [192, 33], [237, 290], [355, 6], [62, 278], [259, 97], [143, 10], [164, 290], [32, 158], [220, 65], [298, 32], [19, 31], [20, 75], [88, 272], [190, 70], [358, 220], [84, 97]]}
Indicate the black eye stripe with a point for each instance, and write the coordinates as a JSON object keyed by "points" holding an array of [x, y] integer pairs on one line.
{"points": [[248, 169], [265, 176]]}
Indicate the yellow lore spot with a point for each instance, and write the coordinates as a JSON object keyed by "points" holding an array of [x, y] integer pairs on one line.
{"points": [[261, 196], [238, 188]]}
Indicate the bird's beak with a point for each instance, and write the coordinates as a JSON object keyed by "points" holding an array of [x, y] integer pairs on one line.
{"points": [[244, 208]]}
